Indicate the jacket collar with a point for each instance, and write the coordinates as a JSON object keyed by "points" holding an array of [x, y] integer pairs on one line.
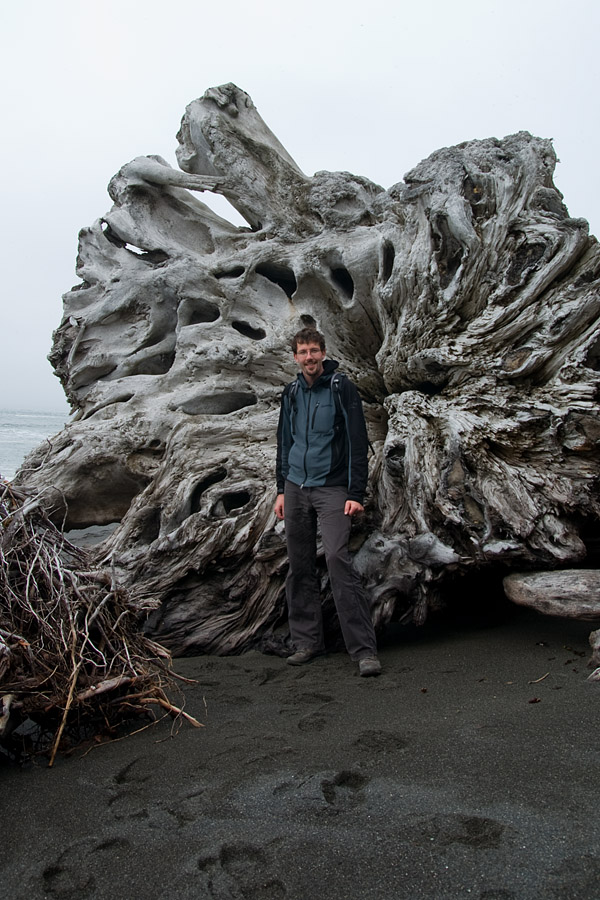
{"points": [[329, 367]]}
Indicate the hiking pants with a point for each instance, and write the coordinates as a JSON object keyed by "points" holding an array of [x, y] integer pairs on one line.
{"points": [[304, 507]]}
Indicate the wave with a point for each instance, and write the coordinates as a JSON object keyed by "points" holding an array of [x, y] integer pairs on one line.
{"points": [[31, 414]]}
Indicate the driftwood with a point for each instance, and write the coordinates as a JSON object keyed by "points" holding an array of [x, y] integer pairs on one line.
{"points": [[463, 301], [572, 593], [72, 659]]}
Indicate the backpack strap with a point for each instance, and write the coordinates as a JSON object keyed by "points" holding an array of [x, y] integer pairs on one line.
{"points": [[336, 387], [335, 384]]}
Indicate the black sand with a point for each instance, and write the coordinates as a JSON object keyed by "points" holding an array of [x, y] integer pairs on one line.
{"points": [[440, 779]]}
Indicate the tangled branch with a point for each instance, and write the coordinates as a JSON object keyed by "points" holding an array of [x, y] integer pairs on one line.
{"points": [[72, 656]]}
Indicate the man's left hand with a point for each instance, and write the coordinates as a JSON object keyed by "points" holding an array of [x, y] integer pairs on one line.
{"points": [[352, 508]]}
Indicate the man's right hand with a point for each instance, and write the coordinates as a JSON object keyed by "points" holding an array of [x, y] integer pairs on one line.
{"points": [[279, 506]]}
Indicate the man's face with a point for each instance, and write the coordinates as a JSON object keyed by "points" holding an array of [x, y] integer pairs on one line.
{"points": [[310, 359]]}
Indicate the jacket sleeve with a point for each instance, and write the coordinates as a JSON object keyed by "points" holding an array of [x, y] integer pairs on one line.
{"points": [[284, 441], [358, 442]]}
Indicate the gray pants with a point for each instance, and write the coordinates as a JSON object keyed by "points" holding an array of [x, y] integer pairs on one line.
{"points": [[303, 508]]}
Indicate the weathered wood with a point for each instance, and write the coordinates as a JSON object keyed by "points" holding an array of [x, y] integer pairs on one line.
{"points": [[572, 593], [464, 302]]}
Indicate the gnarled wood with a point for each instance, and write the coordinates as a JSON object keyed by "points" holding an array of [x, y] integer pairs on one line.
{"points": [[463, 301]]}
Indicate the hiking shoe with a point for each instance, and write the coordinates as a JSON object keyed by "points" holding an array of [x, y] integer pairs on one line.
{"points": [[368, 666], [303, 656]]}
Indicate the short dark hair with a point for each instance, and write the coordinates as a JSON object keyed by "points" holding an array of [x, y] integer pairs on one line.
{"points": [[308, 335]]}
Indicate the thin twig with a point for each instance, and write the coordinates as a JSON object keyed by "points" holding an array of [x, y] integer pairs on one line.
{"points": [[174, 709]]}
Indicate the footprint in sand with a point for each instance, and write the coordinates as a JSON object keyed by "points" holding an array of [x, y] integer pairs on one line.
{"points": [[476, 832], [380, 741], [239, 872], [345, 789], [80, 868]]}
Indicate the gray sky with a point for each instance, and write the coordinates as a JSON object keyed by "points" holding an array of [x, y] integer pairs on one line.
{"points": [[367, 87]]}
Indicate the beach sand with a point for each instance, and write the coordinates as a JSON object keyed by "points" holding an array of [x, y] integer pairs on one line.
{"points": [[469, 769]]}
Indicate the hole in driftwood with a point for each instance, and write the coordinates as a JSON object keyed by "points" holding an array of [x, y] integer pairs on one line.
{"points": [[343, 280], [234, 272], [387, 261], [213, 478], [280, 275], [256, 334], [150, 524], [448, 250], [154, 257], [154, 365], [235, 501], [103, 496], [110, 235], [429, 387], [218, 404], [394, 459], [526, 257], [197, 311]]}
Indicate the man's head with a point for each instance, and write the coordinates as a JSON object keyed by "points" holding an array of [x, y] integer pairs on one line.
{"points": [[308, 346], [308, 335]]}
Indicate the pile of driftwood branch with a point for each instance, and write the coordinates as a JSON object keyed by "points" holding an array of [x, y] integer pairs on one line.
{"points": [[73, 660]]}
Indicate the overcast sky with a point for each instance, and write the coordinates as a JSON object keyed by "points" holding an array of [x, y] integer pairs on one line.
{"points": [[369, 87]]}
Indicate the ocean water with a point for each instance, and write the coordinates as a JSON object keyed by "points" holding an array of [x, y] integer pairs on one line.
{"points": [[22, 431]]}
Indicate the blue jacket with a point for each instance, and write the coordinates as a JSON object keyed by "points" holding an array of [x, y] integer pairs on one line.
{"points": [[322, 438]]}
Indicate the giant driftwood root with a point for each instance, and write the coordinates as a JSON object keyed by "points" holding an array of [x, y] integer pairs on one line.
{"points": [[463, 301], [72, 659]]}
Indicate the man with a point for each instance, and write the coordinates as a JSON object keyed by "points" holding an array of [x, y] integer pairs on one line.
{"points": [[322, 472]]}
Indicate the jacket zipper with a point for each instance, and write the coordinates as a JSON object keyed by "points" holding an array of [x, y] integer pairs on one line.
{"points": [[306, 435], [312, 424]]}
